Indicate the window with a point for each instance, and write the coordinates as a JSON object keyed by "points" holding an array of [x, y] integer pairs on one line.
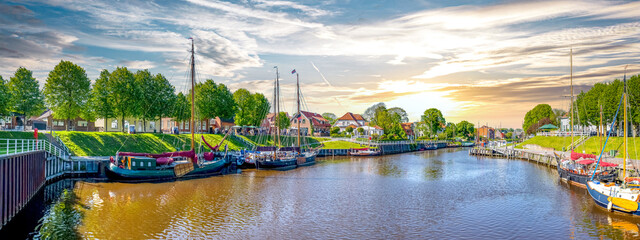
{"points": [[186, 125], [152, 125], [303, 121], [58, 123], [82, 123], [114, 124], [295, 121], [126, 124]]}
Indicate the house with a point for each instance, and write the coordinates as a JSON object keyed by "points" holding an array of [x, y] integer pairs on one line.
{"points": [[13, 121], [371, 130], [51, 123], [268, 124], [116, 125], [350, 119], [408, 129], [486, 132], [307, 120]]}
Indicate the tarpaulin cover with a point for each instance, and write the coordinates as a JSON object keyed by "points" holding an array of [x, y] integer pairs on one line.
{"points": [[585, 161], [576, 156], [608, 164]]}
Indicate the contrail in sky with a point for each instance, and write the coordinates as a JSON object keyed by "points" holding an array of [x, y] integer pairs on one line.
{"points": [[322, 75]]}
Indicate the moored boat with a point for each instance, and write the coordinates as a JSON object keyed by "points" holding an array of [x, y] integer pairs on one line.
{"points": [[129, 166], [363, 152], [579, 167]]}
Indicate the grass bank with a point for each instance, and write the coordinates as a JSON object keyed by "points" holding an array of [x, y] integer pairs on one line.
{"points": [[592, 145], [292, 141], [107, 143], [556, 143], [18, 135]]}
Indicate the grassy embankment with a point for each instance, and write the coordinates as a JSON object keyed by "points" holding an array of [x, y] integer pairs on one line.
{"points": [[592, 145], [313, 141], [106, 144]]}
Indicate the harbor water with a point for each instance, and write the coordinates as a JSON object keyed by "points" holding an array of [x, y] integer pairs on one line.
{"points": [[443, 194]]}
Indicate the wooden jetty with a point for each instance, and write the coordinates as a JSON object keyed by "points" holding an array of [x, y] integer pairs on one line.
{"points": [[540, 158]]}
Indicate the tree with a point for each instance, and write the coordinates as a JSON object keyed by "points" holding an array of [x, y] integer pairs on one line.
{"points": [[360, 130], [465, 129], [349, 129], [182, 108], [214, 100], [245, 102], [101, 95], [261, 109], [26, 96], [558, 113], [534, 127], [67, 91], [155, 94], [330, 117], [433, 120], [335, 130], [450, 130], [401, 112], [369, 114], [509, 135], [5, 98], [534, 115], [124, 93], [283, 121]]}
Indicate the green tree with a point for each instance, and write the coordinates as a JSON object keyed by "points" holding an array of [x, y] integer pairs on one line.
{"points": [[401, 112], [534, 115], [369, 114], [335, 130], [330, 117], [283, 120], [155, 94], [261, 109], [360, 130], [246, 107], [214, 100], [465, 129], [450, 130], [26, 97], [101, 95], [5, 98], [67, 91], [182, 108], [349, 129], [124, 93], [433, 120]]}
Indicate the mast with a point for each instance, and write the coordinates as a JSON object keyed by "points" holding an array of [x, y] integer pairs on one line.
{"points": [[571, 108], [298, 100], [624, 158], [601, 131], [193, 94], [278, 105]]}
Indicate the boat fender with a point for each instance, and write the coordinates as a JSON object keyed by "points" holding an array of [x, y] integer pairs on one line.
{"points": [[610, 206], [111, 160]]}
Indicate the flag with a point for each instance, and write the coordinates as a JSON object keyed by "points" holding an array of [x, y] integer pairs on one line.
{"points": [[293, 72]]}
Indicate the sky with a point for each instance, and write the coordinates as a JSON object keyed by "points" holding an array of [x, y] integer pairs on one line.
{"points": [[487, 62]]}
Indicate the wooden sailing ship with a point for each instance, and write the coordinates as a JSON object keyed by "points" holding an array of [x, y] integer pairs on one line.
{"points": [[130, 166]]}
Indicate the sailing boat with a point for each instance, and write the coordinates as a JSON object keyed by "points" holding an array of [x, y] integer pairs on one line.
{"points": [[622, 197], [130, 166], [576, 168], [277, 157]]}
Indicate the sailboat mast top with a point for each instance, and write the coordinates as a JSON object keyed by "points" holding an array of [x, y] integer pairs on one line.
{"points": [[571, 108], [298, 100]]}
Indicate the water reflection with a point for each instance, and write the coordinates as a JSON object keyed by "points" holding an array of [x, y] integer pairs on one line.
{"points": [[432, 194]]}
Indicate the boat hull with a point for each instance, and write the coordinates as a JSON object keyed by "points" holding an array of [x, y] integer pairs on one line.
{"points": [[277, 164], [125, 175], [377, 153], [602, 200], [582, 179], [306, 161]]}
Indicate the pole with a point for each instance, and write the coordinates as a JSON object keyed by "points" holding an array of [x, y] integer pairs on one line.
{"points": [[624, 158], [193, 95], [571, 108], [278, 104], [299, 116]]}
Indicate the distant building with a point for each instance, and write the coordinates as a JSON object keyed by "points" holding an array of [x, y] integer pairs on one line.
{"points": [[268, 124], [116, 125], [350, 119], [51, 123], [320, 125], [408, 129], [486, 132]]}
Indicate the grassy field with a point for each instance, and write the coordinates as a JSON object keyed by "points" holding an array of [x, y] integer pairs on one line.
{"points": [[556, 143], [615, 143], [106, 144], [341, 145]]}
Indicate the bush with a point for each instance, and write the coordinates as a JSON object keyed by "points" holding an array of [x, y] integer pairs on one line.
{"points": [[335, 130]]}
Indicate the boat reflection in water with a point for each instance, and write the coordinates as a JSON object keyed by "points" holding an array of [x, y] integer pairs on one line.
{"points": [[432, 194]]}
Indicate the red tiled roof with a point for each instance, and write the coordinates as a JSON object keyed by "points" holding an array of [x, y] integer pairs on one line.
{"points": [[351, 116]]}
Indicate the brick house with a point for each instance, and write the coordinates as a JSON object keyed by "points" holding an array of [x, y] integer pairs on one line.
{"points": [[486, 132], [77, 124], [320, 125]]}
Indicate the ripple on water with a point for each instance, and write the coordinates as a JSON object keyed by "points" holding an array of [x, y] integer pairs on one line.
{"points": [[434, 194]]}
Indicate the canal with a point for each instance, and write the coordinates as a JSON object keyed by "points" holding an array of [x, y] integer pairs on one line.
{"points": [[443, 194]]}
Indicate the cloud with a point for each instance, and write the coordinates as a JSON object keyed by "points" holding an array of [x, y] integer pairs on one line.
{"points": [[141, 65]]}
